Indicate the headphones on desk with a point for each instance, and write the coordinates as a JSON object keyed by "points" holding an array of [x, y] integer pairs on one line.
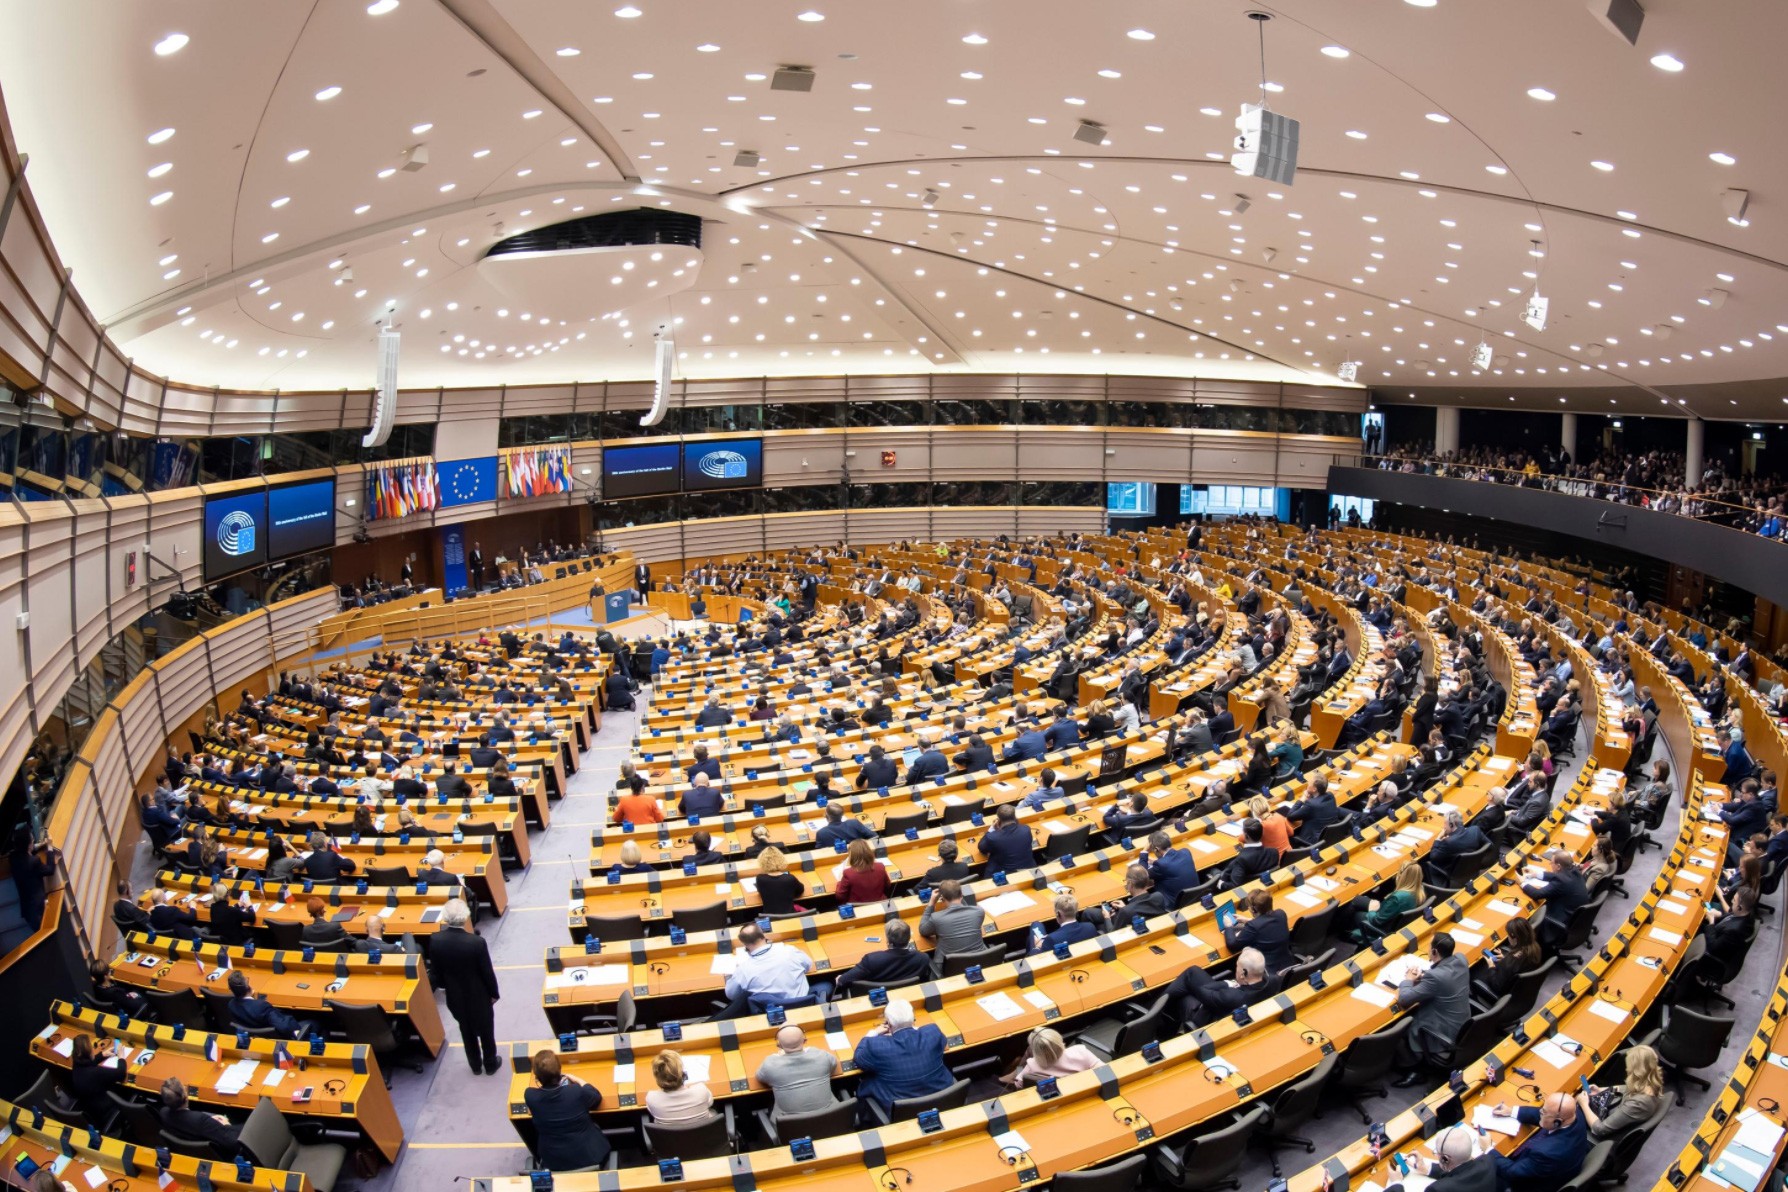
{"points": [[890, 1182]]}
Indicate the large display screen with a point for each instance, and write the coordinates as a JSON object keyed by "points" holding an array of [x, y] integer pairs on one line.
{"points": [[645, 471], [235, 533], [723, 463], [1132, 498], [300, 518]]}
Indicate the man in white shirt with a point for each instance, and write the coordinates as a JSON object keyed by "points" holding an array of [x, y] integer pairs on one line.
{"points": [[767, 973]]}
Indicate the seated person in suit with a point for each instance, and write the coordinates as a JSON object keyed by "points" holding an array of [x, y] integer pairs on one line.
{"points": [[1173, 870], [930, 763], [375, 940], [899, 963], [1251, 860], [1549, 1157], [1048, 791], [321, 932], [900, 1060], [501, 784], [1069, 926], [1008, 845], [560, 1107], [1456, 1166], [178, 1118], [777, 888], [432, 871], [952, 924], [1440, 997], [125, 911], [703, 764], [1141, 899], [1198, 999], [879, 771], [1563, 891], [948, 868], [977, 754], [325, 864], [252, 1010], [839, 830], [702, 851], [1265, 929], [169, 919], [1129, 815], [232, 919], [701, 799]]}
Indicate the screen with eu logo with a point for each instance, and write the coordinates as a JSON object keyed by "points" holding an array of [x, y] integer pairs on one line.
{"points": [[723, 463], [235, 532]]}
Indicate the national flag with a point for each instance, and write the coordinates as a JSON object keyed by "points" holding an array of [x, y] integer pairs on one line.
{"points": [[282, 1057], [212, 1051]]}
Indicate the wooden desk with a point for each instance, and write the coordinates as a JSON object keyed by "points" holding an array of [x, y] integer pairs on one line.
{"points": [[404, 909], [398, 982], [472, 859], [347, 1087]]}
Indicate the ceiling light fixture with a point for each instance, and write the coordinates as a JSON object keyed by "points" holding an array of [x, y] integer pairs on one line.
{"points": [[173, 43], [1541, 94], [161, 136], [1140, 35], [297, 155], [379, 8], [1668, 63], [1336, 51], [328, 93]]}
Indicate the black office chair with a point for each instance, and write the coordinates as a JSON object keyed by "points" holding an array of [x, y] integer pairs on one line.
{"points": [[370, 1026], [1688, 1041], [287, 935], [1297, 974], [268, 1140], [388, 875], [708, 917], [897, 825], [1211, 1158], [905, 1109], [613, 929], [1590, 1177], [217, 1011], [1630, 1142], [133, 1120], [1310, 934], [1128, 1031], [172, 1007], [840, 1118], [862, 988], [1067, 844], [623, 1020], [1366, 1064], [963, 812], [958, 963], [198, 1148], [1484, 1030], [711, 1137], [1122, 1176], [1522, 995], [1291, 1107], [1581, 929]]}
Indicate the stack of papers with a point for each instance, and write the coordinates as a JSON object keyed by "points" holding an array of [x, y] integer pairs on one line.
{"points": [[1484, 1119], [235, 1078], [1001, 904], [999, 1006], [1377, 994]]}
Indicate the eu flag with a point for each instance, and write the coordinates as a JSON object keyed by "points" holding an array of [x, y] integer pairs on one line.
{"points": [[467, 481]]}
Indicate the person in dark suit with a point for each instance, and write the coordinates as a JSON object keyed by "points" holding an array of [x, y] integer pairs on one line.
{"points": [[321, 932], [977, 754], [1456, 839], [1173, 870], [325, 864], [703, 764], [840, 830], [930, 763], [1064, 732], [1198, 999], [1563, 891], [432, 872], [453, 785], [1440, 1001], [900, 1060], [1252, 859], [94, 1069], [475, 564], [125, 911], [879, 771], [375, 940], [1552, 1154], [1127, 816], [168, 919], [1070, 926], [897, 964], [177, 1117], [1007, 846], [948, 867], [252, 1010], [460, 960], [1141, 899], [1313, 813], [560, 1107], [1265, 929], [231, 920], [701, 799]]}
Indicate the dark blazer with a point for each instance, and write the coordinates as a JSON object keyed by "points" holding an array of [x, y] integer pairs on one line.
{"points": [[778, 892], [930, 764], [324, 865], [461, 964], [195, 1123], [569, 1136], [1547, 1160], [1174, 873], [1250, 861], [230, 922], [1562, 894], [1476, 1175], [887, 967], [323, 932], [172, 920], [1007, 849], [1269, 933], [877, 773]]}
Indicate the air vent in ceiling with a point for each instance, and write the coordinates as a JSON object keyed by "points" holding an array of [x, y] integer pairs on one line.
{"points": [[611, 229]]}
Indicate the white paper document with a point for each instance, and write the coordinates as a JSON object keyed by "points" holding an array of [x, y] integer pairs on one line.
{"points": [[1484, 1119], [1002, 904], [1375, 993], [999, 1006]]}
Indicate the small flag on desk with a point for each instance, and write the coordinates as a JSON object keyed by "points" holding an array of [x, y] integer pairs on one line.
{"points": [[212, 1051], [282, 1057], [200, 961]]}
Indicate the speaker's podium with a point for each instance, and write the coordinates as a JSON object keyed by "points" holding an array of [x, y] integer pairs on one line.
{"points": [[615, 607]]}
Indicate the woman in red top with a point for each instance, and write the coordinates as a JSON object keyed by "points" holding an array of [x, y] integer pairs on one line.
{"points": [[636, 807], [1275, 829], [864, 879]]}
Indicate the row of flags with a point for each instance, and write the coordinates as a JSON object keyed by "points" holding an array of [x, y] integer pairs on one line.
{"points": [[537, 471], [398, 490]]}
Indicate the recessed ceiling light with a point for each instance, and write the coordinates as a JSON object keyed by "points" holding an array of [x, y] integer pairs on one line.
{"points": [[276, 204], [1667, 62], [419, 129], [1111, 74], [297, 155], [328, 93], [1440, 117], [1421, 4], [755, 78], [173, 43], [1274, 87], [861, 86], [569, 51], [1211, 111], [1724, 159], [810, 16], [379, 8], [1356, 134], [158, 171], [1540, 93], [158, 200], [1140, 35], [1335, 51], [707, 47], [387, 171], [169, 259], [481, 153], [530, 113], [627, 13], [363, 209], [447, 186], [1604, 166], [161, 136], [1497, 169], [642, 76]]}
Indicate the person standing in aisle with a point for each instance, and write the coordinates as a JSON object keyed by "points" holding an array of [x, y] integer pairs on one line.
{"points": [[461, 962]]}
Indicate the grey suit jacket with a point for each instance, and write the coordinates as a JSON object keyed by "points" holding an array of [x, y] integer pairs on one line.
{"points": [[955, 929], [1442, 1000]]}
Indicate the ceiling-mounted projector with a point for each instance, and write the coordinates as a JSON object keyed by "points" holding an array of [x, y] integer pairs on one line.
{"points": [[1534, 314], [1481, 356], [1266, 144], [1348, 371]]}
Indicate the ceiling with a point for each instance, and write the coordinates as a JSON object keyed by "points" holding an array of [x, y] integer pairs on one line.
{"points": [[1401, 249]]}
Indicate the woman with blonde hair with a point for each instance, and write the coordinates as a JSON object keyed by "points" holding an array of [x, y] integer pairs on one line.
{"points": [[864, 878], [1611, 1111], [1046, 1054], [632, 860], [1275, 829], [777, 888], [1373, 919], [676, 1099]]}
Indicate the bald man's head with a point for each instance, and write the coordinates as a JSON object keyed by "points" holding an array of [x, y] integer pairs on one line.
{"points": [[1560, 1110], [1454, 1147], [791, 1038]]}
